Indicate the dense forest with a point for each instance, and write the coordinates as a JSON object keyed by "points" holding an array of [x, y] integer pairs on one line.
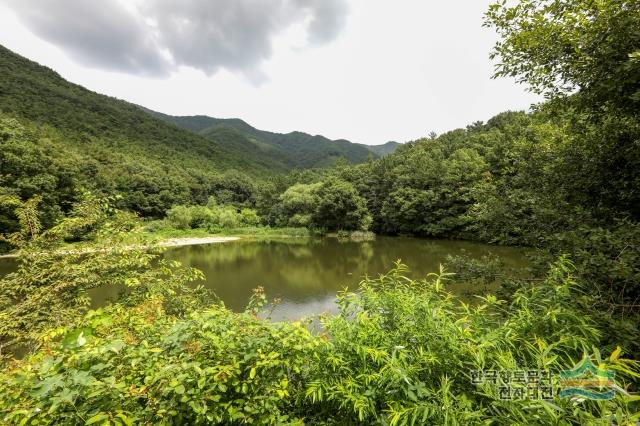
{"points": [[561, 179]]}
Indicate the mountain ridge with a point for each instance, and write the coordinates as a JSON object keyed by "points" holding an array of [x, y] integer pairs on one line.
{"points": [[297, 149]]}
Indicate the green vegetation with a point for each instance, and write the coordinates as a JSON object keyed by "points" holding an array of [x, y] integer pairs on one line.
{"points": [[562, 179], [291, 150], [211, 217], [399, 352], [384, 149]]}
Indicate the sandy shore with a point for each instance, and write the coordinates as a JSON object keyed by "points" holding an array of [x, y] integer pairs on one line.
{"points": [[177, 242], [173, 242]]}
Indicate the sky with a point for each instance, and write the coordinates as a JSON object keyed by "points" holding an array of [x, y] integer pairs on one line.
{"points": [[369, 71]]}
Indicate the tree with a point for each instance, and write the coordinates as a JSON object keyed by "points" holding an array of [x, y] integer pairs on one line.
{"points": [[563, 47], [340, 207], [589, 50], [299, 202]]}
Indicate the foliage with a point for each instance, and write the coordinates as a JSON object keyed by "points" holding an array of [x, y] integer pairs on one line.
{"points": [[48, 272], [399, 352], [142, 365], [28, 169], [576, 45], [299, 202], [339, 206], [213, 217], [607, 262], [331, 204]]}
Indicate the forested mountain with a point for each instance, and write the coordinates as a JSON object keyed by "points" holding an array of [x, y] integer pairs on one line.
{"points": [[58, 137], [293, 150]]}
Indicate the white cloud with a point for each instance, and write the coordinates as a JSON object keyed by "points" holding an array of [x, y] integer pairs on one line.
{"points": [[154, 37]]}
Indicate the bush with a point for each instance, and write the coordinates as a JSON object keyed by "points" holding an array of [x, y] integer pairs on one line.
{"points": [[213, 217], [179, 217], [249, 217], [201, 217], [228, 218], [141, 366], [401, 352]]}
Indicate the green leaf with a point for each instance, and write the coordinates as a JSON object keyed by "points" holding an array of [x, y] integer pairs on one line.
{"points": [[97, 418]]}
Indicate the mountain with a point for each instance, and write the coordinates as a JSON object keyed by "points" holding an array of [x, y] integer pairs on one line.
{"points": [[292, 150], [109, 146], [384, 149], [59, 139]]}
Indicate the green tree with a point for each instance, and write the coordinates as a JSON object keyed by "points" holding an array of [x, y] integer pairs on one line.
{"points": [[563, 47], [299, 202], [340, 207]]}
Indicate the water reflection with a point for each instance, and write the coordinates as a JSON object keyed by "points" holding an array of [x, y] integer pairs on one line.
{"points": [[307, 274]]}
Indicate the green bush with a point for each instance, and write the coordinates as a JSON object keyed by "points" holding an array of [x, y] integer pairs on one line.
{"points": [[213, 217], [179, 217], [249, 217], [228, 218], [201, 217]]}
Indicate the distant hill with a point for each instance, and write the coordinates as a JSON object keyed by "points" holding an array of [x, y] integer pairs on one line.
{"points": [[292, 150], [384, 149], [115, 147]]}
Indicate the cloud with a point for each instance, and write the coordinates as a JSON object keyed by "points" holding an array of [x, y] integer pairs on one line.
{"points": [[154, 37]]}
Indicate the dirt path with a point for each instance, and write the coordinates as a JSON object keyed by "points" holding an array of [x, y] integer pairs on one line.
{"points": [[177, 242]]}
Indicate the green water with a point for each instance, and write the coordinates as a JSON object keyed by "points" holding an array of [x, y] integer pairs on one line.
{"points": [[306, 274]]}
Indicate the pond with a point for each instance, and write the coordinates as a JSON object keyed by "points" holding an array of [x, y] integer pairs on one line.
{"points": [[306, 274]]}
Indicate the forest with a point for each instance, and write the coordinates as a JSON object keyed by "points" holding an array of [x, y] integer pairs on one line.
{"points": [[561, 179]]}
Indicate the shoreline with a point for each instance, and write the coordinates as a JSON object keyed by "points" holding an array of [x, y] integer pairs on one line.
{"points": [[171, 242]]}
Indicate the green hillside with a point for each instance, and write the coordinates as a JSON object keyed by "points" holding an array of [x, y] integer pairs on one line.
{"points": [[59, 138], [385, 149], [293, 150]]}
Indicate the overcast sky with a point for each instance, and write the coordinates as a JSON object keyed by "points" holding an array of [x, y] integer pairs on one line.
{"points": [[365, 70]]}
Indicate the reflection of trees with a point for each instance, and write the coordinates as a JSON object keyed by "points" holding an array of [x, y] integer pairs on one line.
{"points": [[299, 272]]}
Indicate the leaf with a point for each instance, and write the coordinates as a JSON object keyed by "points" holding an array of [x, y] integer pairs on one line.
{"points": [[252, 373], [126, 420], [81, 340], [615, 354], [77, 337], [98, 417]]}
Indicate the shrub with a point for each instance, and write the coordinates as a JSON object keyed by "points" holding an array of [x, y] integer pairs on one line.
{"points": [[201, 217], [401, 352], [228, 217], [249, 217], [179, 217], [213, 217], [141, 366]]}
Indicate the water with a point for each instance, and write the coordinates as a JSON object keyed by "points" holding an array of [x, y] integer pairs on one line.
{"points": [[306, 274]]}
